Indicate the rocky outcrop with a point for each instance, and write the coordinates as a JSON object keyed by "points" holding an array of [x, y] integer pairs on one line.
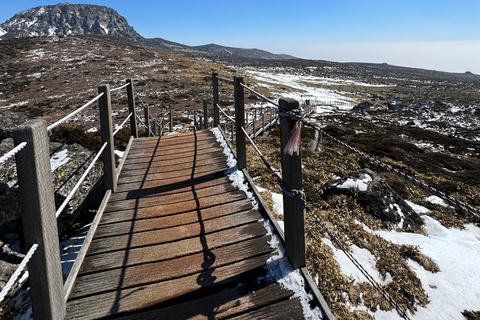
{"points": [[66, 19], [376, 197]]}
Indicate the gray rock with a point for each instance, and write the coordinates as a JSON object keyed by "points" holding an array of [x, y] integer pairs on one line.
{"points": [[376, 197]]}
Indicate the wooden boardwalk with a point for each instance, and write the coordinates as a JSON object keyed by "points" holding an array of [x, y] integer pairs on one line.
{"points": [[178, 241]]}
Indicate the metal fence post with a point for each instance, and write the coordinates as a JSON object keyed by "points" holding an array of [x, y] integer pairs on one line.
{"points": [[108, 157], [131, 109], [239, 123], [39, 221], [292, 177], [216, 115]]}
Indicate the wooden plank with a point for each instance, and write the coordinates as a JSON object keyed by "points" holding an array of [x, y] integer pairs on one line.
{"points": [[174, 166], [142, 274], [172, 150], [172, 183], [163, 190], [123, 258], [152, 223], [185, 288], [164, 199], [288, 309], [129, 240], [162, 157], [226, 303], [173, 208], [199, 171], [186, 158]]}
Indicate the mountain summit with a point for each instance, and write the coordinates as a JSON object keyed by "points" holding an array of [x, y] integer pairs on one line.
{"points": [[67, 19]]}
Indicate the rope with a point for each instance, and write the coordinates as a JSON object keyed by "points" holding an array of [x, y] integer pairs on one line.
{"points": [[297, 115], [226, 115], [119, 88], [259, 95], [80, 181], [225, 79], [139, 119], [56, 124], [12, 152], [349, 255], [17, 272], [123, 123]]}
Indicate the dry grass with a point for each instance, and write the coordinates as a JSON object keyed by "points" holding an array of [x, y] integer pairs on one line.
{"points": [[346, 219]]}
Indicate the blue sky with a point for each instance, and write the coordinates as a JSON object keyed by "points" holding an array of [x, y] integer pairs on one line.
{"points": [[441, 35]]}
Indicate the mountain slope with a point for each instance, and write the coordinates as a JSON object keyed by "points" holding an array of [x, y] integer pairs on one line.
{"points": [[67, 19]]}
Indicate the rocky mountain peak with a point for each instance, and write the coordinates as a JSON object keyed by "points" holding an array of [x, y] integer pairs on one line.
{"points": [[67, 19]]}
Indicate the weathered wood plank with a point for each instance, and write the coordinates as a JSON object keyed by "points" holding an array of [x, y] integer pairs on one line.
{"points": [[186, 158], [142, 274], [148, 158], [185, 288], [174, 149], [152, 223], [226, 303], [199, 229], [126, 257], [172, 182], [173, 208], [172, 189], [288, 309], [174, 166], [187, 173], [164, 199]]}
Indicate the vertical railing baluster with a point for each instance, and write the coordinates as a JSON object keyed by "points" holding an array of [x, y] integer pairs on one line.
{"points": [[239, 123], [105, 104]]}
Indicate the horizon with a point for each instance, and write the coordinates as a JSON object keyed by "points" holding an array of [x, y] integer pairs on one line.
{"points": [[431, 35]]}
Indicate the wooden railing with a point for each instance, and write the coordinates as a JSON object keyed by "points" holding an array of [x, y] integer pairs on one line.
{"points": [[47, 290], [293, 236]]}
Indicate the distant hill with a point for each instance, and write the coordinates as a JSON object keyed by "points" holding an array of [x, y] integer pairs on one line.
{"points": [[66, 19], [217, 50]]}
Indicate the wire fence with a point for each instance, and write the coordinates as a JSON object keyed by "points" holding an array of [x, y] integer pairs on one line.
{"points": [[295, 115], [300, 194]]}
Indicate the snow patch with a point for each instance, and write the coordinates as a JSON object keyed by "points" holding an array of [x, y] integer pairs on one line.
{"points": [[59, 159]]}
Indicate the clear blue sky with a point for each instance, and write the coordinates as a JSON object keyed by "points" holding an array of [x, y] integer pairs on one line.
{"points": [[441, 34]]}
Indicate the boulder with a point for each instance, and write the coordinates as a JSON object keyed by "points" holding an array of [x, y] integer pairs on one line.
{"points": [[8, 122], [393, 105], [376, 197], [363, 106]]}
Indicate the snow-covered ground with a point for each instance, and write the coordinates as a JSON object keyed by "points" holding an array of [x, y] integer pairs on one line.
{"points": [[453, 289]]}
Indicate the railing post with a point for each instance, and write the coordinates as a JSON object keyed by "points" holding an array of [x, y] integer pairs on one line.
{"points": [[147, 120], [39, 221], [171, 120], [108, 157], [216, 115], [239, 123], [254, 119], [154, 127], [292, 177], [131, 109], [195, 119], [205, 114], [263, 121]]}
